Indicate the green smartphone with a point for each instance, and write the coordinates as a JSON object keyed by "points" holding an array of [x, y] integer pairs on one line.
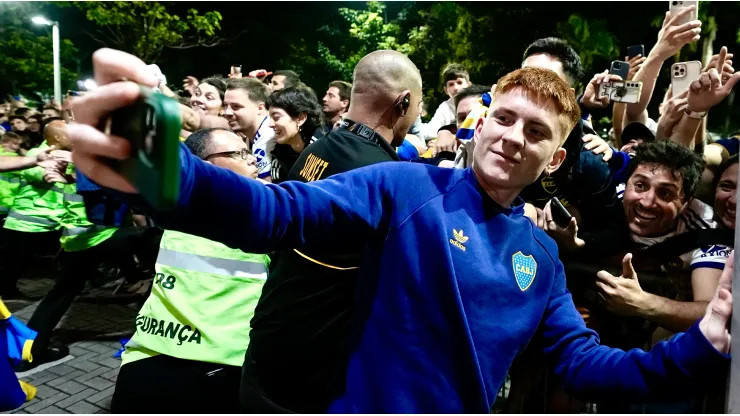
{"points": [[152, 125]]}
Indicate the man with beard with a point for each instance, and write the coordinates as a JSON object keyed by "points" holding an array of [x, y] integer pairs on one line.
{"points": [[336, 102]]}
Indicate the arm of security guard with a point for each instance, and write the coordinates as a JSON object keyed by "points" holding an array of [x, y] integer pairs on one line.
{"points": [[688, 362], [243, 213]]}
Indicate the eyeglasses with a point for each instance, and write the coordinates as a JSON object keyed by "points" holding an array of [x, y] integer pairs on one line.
{"points": [[242, 154]]}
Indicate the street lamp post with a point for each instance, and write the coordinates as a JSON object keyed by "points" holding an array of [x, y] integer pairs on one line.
{"points": [[55, 46]]}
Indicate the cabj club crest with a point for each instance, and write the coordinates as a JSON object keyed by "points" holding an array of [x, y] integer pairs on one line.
{"points": [[525, 269]]}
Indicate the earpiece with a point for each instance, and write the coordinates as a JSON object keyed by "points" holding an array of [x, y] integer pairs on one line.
{"points": [[405, 103]]}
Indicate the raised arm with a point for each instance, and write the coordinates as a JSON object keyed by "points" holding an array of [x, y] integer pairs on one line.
{"points": [[694, 361], [671, 38], [220, 205], [215, 203], [714, 85]]}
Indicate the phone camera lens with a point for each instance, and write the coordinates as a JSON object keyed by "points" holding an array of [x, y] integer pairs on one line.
{"points": [[675, 3]]}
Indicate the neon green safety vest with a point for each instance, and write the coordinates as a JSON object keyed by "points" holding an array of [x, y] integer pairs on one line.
{"points": [[9, 184], [38, 206], [77, 232], [202, 301]]}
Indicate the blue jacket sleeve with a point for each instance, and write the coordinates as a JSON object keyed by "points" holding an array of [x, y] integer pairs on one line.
{"points": [[687, 363], [619, 166], [220, 205]]}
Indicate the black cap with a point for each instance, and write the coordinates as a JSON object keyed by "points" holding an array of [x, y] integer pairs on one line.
{"points": [[636, 131]]}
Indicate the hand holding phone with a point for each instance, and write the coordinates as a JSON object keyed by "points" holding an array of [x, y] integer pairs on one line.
{"points": [[683, 74], [592, 95], [680, 27], [560, 214], [635, 50], [98, 155], [621, 91], [151, 124], [236, 71], [677, 6]]}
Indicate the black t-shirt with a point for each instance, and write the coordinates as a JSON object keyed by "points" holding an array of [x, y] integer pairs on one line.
{"points": [[301, 323], [283, 159]]}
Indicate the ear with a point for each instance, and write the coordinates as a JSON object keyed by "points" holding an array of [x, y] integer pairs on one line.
{"points": [[345, 105], [399, 104], [261, 106], [302, 117], [557, 159], [573, 90], [478, 129]]}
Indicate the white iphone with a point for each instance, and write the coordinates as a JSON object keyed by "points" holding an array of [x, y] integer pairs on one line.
{"points": [[676, 6], [683, 74]]}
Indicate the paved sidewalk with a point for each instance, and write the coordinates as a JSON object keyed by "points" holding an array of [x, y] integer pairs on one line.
{"points": [[92, 328]]}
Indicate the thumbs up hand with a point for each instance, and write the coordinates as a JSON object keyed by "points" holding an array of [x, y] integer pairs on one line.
{"points": [[622, 295]]}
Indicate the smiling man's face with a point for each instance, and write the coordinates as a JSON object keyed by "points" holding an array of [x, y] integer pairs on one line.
{"points": [[518, 140], [653, 200]]}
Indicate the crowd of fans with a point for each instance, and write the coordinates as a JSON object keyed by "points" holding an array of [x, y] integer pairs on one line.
{"points": [[220, 326]]}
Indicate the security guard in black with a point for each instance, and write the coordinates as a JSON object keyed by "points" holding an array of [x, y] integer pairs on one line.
{"points": [[297, 353]]}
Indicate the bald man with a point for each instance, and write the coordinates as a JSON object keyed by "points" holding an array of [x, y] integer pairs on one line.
{"points": [[297, 342], [33, 222]]}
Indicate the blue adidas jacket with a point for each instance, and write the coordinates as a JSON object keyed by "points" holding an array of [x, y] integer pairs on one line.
{"points": [[435, 329]]}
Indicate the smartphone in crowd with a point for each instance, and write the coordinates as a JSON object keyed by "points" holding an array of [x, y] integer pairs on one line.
{"points": [[621, 91], [635, 50], [560, 215], [620, 68], [683, 74], [152, 126], [676, 6], [236, 71]]}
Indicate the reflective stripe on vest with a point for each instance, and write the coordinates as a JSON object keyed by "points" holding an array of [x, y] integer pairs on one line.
{"points": [[10, 179], [204, 264], [68, 232], [73, 197], [28, 218]]}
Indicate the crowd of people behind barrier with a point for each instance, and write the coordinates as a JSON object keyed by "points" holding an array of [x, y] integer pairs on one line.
{"points": [[259, 310]]}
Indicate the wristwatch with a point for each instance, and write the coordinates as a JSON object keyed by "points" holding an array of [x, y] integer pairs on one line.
{"points": [[695, 114]]}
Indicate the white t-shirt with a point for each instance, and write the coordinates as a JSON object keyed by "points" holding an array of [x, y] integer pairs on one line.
{"points": [[696, 216], [262, 145], [444, 115]]}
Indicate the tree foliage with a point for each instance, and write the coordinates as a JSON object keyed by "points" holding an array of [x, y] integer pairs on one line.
{"points": [[27, 60], [368, 31], [146, 28], [591, 39]]}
